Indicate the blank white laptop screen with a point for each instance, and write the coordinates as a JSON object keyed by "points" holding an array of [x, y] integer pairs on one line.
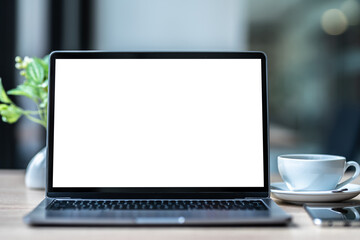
{"points": [[158, 123]]}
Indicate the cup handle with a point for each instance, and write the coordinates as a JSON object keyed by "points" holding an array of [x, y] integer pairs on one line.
{"points": [[356, 174]]}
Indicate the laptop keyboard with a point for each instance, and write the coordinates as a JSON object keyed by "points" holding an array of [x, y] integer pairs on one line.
{"points": [[157, 205]]}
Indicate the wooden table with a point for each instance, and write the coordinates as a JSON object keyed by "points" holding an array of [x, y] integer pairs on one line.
{"points": [[16, 201]]}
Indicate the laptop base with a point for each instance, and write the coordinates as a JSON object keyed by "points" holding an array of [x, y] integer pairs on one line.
{"points": [[41, 216]]}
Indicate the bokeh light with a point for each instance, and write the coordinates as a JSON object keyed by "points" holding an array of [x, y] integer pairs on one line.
{"points": [[334, 22]]}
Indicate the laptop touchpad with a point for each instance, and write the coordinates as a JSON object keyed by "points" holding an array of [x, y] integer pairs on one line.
{"points": [[160, 220]]}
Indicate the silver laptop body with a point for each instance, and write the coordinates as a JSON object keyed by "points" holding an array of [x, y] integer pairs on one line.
{"points": [[157, 138]]}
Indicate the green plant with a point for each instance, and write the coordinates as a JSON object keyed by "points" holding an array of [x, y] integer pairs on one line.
{"points": [[34, 87]]}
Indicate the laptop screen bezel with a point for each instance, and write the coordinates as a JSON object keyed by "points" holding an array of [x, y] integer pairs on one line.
{"points": [[164, 192]]}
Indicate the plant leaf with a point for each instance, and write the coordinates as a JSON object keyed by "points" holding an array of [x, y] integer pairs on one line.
{"points": [[3, 97], [43, 95], [45, 84], [44, 64], [44, 103], [10, 114], [25, 90], [3, 107], [35, 71], [19, 92]]}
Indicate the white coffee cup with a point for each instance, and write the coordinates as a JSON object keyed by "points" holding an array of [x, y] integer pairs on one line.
{"points": [[314, 172]]}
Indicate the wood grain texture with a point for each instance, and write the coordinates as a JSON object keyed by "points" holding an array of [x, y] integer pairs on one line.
{"points": [[16, 201]]}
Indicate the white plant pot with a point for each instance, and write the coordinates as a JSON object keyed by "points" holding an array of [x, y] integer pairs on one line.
{"points": [[35, 171]]}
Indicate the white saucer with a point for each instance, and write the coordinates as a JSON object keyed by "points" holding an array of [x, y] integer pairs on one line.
{"points": [[281, 191]]}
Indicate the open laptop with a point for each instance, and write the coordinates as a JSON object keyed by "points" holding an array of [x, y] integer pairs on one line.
{"points": [[157, 138]]}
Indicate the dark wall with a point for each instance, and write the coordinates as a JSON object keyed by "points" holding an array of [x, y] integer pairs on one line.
{"points": [[7, 56]]}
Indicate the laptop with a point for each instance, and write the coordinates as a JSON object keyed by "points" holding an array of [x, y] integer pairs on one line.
{"points": [[157, 138]]}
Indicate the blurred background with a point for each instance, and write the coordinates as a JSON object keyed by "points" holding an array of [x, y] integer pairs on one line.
{"points": [[313, 50]]}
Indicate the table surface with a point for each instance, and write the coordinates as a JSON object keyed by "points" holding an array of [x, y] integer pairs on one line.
{"points": [[16, 201]]}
